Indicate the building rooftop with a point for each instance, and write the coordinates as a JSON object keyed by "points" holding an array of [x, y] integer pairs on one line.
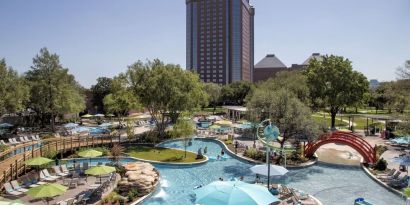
{"points": [[270, 61], [316, 56]]}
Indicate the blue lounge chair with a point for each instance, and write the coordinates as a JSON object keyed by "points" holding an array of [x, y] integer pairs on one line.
{"points": [[361, 201]]}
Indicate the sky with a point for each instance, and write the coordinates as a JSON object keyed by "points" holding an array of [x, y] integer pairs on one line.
{"points": [[97, 38]]}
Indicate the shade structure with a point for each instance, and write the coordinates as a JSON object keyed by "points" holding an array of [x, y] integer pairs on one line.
{"points": [[233, 193], [99, 115], [70, 125], [110, 115], [87, 116], [223, 123], [274, 170], [215, 127], [38, 161], [90, 153], [5, 125], [100, 170], [47, 190]]}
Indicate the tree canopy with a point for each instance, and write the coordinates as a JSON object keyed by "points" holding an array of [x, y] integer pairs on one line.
{"points": [[213, 91], [404, 72], [165, 90], [121, 99], [101, 89], [53, 90], [236, 92], [13, 90], [334, 84]]}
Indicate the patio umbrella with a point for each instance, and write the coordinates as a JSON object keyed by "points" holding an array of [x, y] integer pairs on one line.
{"points": [[107, 124], [100, 170], [5, 125], [223, 123], [38, 161], [47, 191], [99, 115], [87, 116], [269, 170], [110, 115], [70, 125], [233, 193], [90, 153]]}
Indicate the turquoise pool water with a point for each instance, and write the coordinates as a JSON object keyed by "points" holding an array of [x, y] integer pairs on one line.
{"points": [[333, 185]]}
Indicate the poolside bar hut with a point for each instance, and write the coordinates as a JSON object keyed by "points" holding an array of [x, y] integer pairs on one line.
{"points": [[235, 112]]}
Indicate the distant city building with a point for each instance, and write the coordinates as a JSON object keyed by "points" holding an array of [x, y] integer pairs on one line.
{"points": [[270, 65], [267, 67], [219, 40], [374, 84]]}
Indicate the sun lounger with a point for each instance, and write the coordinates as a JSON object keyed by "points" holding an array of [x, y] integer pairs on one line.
{"points": [[45, 178], [28, 182], [400, 183], [4, 143], [47, 174], [58, 171], [27, 139], [10, 191], [22, 139], [388, 178], [69, 201], [17, 186], [64, 169], [390, 173], [13, 141]]}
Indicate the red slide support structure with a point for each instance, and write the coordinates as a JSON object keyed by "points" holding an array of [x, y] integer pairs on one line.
{"points": [[347, 138]]}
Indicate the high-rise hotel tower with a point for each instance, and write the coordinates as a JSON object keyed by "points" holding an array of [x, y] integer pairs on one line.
{"points": [[219, 40]]}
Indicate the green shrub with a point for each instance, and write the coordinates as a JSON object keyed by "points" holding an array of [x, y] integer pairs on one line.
{"points": [[380, 165], [105, 151], [132, 194], [3, 148], [228, 142], [255, 154]]}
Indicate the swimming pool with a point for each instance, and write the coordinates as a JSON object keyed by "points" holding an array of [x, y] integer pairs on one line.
{"points": [[333, 185]]}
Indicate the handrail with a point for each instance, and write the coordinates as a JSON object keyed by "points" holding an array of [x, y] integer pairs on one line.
{"points": [[350, 139]]}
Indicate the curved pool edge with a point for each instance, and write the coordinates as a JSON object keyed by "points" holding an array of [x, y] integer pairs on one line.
{"points": [[374, 178], [251, 161], [148, 196]]}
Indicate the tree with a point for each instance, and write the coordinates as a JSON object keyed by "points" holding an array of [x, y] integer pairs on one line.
{"points": [[236, 92], [99, 91], [121, 99], [287, 112], [214, 94], [165, 90], [333, 83], [13, 90], [53, 91], [183, 129], [294, 81], [404, 72], [116, 152]]}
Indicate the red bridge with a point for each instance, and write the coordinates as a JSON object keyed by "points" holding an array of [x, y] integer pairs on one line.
{"points": [[353, 140]]}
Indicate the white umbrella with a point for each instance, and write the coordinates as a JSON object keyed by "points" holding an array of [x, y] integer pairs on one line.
{"points": [[274, 170]]}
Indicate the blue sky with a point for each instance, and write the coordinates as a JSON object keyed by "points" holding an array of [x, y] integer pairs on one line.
{"points": [[101, 37]]}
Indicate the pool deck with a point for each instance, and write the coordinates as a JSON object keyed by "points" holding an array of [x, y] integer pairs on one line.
{"points": [[71, 193]]}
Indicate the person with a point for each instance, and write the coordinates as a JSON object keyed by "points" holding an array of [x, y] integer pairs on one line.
{"points": [[205, 149], [241, 178], [217, 157], [236, 146], [258, 178], [221, 179], [222, 152]]}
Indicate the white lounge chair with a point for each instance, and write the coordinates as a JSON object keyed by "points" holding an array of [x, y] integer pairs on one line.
{"points": [[27, 139], [13, 141], [10, 191], [69, 201], [47, 174], [17, 186], [64, 169], [45, 178], [22, 139], [58, 171], [4, 143]]}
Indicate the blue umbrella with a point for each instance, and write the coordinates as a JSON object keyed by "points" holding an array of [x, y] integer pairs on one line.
{"points": [[233, 192], [71, 125], [6, 125], [99, 115]]}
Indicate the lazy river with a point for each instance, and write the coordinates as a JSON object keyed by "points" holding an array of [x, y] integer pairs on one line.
{"points": [[332, 185]]}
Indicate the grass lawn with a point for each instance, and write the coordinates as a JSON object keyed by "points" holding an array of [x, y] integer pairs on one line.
{"points": [[327, 120], [162, 154]]}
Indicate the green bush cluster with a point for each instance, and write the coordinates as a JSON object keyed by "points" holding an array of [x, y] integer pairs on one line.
{"points": [[228, 142], [380, 165], [255, 154], [132, 194]]}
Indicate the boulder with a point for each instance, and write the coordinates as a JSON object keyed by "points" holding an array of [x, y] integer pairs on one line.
{"points": [[139, 175]]}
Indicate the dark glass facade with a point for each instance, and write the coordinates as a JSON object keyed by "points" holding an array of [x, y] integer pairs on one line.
{"points": [[220, 40]]}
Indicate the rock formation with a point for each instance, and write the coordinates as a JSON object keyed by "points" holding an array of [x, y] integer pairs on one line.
{"points": [[139, 175]]}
